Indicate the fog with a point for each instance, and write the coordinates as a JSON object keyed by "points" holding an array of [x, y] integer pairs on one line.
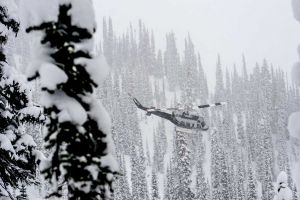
{"points": [[257, 28]]}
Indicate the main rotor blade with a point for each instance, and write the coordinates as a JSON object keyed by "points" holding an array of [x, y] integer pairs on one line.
{"points": [[212, 105]]}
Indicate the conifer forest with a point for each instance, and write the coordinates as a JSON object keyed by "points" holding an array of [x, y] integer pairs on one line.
{"points": [[90, 110]]}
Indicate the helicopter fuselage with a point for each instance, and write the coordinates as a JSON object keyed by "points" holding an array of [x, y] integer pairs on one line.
{"points": [[185, 120], [181, 118]]}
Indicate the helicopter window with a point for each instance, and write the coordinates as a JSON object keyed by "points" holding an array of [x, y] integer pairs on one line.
{"points": [[203, 124]]}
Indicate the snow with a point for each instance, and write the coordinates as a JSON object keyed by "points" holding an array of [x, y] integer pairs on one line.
{"points": [[32, 110], [12, 75], [10, 135], [128, 170], [97, 68], [103, 120], [39, 156], [109, 161], [101, 116], [12, 7], [35, 12], [71, 110], [282, 178], [283, 192], [94, 171], [51, 76], [81, 13], [6, 144], [25, 141]]}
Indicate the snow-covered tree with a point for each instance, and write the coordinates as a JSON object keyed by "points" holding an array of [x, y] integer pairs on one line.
{"points": [[183, 168], [154, 187], [295, 192], [122, 191], [282, 190], [240, 182], [251, 185], [170, 183], [202, 185], [219, 89], [23, 193], [172, 61], [219, 169], [78, 128], [138, 175], [17, 149]]}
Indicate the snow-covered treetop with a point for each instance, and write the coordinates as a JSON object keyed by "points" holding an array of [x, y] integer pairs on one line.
{"points": [[282, 178]]}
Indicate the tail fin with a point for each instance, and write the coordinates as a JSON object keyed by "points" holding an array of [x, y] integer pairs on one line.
{"points": [[138, 104]]}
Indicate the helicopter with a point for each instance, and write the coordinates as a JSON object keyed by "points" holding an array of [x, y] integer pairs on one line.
{"points": [[184, 119]]}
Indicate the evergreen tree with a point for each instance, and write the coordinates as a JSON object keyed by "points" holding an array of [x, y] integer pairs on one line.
{"points": [[295, 192], [202, 83], [183, 168], [240, 182], [108, 41], [76, 118], [122, 191], [138, 175], [251, 186], [219, 171], [160, 141], [219, 89], [23, 193], [190, 74], [172, 62], [170, 183], [154, 191], [202, 186], [240, 129], [17, 149]]}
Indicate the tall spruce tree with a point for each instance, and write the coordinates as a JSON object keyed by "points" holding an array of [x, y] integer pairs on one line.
{"points": [[183, 167], [251, 186], [154, 186], [78, 129]]}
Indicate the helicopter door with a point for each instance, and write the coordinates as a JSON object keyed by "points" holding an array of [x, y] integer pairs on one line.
{"points": [[187, 124]]}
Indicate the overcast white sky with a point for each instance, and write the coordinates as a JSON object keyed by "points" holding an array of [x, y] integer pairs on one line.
{"points": [[258, 28]]}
